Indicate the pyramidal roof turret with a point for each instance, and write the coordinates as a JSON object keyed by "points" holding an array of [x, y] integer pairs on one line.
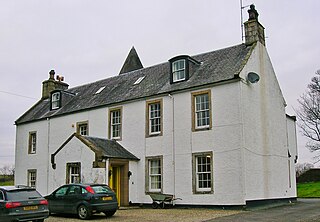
{"points": [[132, 62]]}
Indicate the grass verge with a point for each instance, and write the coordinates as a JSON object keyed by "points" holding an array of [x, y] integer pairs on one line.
{"points": [[311, 189]]}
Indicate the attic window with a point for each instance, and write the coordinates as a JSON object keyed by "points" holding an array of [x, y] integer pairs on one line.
{"points": [[55, 100], [138, 80], [179, 70], [100, 90]]}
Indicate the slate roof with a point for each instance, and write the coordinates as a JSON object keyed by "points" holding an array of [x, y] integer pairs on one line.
{"points": [[110, 148], [216, 66], [102, 147]]}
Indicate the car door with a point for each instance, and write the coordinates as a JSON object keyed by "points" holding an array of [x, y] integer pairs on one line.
{"points": [[72, 198], [57, 200]]}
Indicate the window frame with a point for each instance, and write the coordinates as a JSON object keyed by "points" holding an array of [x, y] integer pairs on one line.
{"points": [[31, 180], [149, 118], [194, 96], [173, 71], [81, 124], [148, 180], [55, 102], [32, 144], [111, 124], [70, 175], [176, 72], [195, 173]]}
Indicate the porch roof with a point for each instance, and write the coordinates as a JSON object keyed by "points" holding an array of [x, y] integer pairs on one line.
{"points": [[109, 148]]}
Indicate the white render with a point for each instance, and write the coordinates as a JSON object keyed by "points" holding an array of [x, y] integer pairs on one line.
{"points": [[250, 139]]}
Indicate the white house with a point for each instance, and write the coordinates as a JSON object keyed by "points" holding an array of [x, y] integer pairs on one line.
{"points": [[210, 129]]}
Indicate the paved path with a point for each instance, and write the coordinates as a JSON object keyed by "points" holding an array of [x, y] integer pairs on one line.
{"points": [[305, 210]]}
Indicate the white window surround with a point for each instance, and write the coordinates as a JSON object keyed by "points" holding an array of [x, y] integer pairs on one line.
{"points": [[179, 70], [55, 100]]}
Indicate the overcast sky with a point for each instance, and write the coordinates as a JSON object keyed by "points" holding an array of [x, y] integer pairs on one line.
{"points": [[86, 40]]}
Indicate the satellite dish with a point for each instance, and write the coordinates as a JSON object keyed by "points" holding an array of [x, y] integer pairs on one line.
{"points": [[253, 77]]}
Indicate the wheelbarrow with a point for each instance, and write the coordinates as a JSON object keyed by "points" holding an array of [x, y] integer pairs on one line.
{"points": [[160, 199]]}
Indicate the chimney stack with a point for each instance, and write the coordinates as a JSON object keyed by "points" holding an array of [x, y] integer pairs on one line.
{"points": [[49, 85], [254, 31]]}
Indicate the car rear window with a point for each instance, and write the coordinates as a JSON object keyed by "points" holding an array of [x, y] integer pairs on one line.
{"points": [[101, 189], [22, 195]]}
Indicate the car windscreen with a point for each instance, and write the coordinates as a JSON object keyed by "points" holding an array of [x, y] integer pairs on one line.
{"points": [[14, 195], [101, 189]]}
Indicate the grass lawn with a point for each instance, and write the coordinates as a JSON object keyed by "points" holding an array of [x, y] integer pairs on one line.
{"points": [[6, 182], [309, 189]]}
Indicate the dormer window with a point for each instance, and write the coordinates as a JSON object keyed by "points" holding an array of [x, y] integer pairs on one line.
{"points": [[179, 70], [55, 100]]}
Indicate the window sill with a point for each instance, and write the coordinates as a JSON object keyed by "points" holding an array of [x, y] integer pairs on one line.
{"points": [[203, 192], [154, 134], [202, 129]]}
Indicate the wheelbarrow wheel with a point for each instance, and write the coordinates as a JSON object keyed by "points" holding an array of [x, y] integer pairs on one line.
{"points": [[154, 205]]}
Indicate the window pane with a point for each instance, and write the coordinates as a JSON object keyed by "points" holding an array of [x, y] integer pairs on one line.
{"points": [[32, 142], [32, 178], [154, 118], [203, 172], [202, 110], [155, 175], [115, 124], [178, 70], [55, 100]]}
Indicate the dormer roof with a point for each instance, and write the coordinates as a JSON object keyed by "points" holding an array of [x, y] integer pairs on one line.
{"points": [[216, 66]]}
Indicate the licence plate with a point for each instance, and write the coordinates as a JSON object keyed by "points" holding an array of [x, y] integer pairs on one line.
{"points": [[30, 208], [106, 198]]}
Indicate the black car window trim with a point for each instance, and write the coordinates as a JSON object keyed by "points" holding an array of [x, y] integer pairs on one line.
{"points": [[1, 195]]}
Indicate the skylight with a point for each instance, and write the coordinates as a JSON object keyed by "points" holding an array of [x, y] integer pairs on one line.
{"points": [[138, 80], [100, 90]]}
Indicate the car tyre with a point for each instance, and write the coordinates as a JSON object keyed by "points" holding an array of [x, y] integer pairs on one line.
{"points": [[155, 205], [83, 212], [109, 213]]}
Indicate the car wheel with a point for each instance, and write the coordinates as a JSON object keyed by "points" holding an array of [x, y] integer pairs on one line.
{"points": [[84, 212], [109, 213], [154, 205]]}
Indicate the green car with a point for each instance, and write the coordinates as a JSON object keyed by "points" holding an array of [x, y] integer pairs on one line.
{"points": [[22, 203], [83, 200]]}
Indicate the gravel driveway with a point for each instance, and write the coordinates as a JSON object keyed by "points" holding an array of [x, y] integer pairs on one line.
{"points": [[146, 214]]}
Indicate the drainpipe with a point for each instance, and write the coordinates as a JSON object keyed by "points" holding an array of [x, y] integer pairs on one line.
{"points": [[173, 148], [48, 147]]}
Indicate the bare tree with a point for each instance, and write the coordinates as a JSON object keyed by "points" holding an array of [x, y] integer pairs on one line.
{"points": [[302, 167], [309, 115], [7, 172]]}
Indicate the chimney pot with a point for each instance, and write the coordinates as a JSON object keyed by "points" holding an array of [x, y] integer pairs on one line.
{"points": [[51, 73]]}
